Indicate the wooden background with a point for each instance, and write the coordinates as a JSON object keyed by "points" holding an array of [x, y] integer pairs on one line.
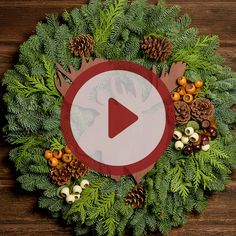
{"points": [[19, 214]]}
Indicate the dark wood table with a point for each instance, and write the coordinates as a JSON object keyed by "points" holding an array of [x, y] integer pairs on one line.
{"points": [[19, 214]]}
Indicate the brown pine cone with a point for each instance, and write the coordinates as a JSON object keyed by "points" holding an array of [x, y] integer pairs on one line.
{"points": [[136, 197], [201, 109], [157, 48], [182, 112], [77, 168], [60, 176], [82, 45]]}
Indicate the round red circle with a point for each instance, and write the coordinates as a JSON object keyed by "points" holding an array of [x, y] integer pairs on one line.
{"points": [[84, 157]]}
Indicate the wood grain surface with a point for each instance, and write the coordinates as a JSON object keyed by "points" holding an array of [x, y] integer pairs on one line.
{"points": [[19, 214]]}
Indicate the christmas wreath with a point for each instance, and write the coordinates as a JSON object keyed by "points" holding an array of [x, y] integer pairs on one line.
{"points": [[200, 156]]}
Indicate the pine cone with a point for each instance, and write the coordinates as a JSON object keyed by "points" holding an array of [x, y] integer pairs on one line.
{"points": [[157, 48], [182, 112], [60, 176], [77, 169], [136, 197], [201, 109], [82, 45]]}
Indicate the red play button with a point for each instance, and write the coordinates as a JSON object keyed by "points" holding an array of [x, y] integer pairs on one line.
{"points": [[119, 117]]}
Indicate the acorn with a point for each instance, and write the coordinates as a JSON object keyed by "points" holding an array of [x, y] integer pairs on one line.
{"points": [[181, 80], [77, 189], [65, 191], [185, 139], [70, 199], [67, 150], [188, 98], [187, 150], [181, 90], [194, 137], [67, 158], [179, 145], [57, 154], [175, 96], [198, 83], [204, 139], [84, 184], [53, 162], [177, 135], [189, 131], [190, 88], [77, 196], [48, 154]]}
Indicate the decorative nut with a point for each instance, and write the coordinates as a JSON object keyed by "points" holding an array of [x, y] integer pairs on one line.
{"points": [[189, 131], [53, 162], [48, 154], [206, 147], [67, 150], [84, 184], [179, 145], [198, 83], [77, 196], [65, 192], [185, 139], [57, 154], [67, 158], [194, 137], [188, 98], [77, 189], [190, 88], [177, 135], [70, 199], [181, 90], [175, 96], [181, 80]]}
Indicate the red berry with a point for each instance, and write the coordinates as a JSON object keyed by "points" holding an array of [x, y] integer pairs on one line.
{"points": [[196, 146], [204, 139], [211, 130], [187, 150]]}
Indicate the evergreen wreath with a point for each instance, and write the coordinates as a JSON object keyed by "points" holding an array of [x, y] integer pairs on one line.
{"points": [[180, 181]]}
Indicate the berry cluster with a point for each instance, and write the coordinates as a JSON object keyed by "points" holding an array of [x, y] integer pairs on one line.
{"points": [[58, 157], [186, 90], [193, 140], [74, 195]]}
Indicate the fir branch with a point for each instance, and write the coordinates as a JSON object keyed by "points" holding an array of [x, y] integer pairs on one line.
{"points": [[89, 196], [103, 206], [107, 17]]}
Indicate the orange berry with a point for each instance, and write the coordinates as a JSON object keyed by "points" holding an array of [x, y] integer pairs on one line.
{"points": [[53, 162], [67, 158], [198, 83], [57, 154], [188, 98], [181, 80], [175, 96], [67, 150], [190, 88], [48, 154], [181, 90]]}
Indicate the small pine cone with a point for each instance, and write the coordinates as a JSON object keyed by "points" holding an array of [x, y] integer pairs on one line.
{"points": [[77, 168], [182, 112], [60, 176], [157, 48], [136, 197], [82, 45], [201, 109]]}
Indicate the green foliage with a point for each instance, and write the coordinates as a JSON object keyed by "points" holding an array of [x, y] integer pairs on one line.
{"points": [[107, 18], [177, 184]]}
